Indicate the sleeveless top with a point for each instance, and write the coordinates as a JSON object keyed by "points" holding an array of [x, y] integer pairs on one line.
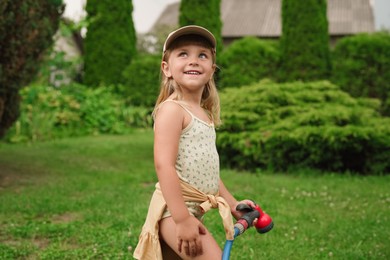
{"points": [[197, 162]]}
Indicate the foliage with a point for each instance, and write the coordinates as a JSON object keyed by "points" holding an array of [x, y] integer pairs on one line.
{"points": [[87, 198], [246, 61], [361, 66], [110, 44], [26, 31], [314, 125], [203, 13], [305, 41], [57, 69], [142, 80], [74, 110]]}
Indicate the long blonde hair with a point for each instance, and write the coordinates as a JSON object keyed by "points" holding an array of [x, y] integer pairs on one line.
{"points": [[168, 86]]}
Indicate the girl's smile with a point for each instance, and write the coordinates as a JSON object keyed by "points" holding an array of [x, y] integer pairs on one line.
{"points": [[192, 72]]}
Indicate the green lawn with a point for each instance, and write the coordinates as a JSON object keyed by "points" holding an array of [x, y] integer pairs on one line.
{"points": [[86, 198]]}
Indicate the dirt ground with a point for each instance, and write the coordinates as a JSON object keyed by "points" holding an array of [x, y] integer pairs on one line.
{"points": [[19, 175]]}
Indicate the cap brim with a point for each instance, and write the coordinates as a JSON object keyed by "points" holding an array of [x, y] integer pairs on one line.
{"points": [[187, 30]]}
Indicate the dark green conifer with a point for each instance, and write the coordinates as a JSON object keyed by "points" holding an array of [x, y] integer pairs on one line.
{"points": [[111, 41], [26, 31], [305, 40]]}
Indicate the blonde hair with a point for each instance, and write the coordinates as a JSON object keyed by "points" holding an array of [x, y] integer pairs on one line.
{"points": [[168, 86]]}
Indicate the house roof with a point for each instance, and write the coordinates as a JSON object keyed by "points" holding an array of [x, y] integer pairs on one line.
{"points": [[262, 18]]}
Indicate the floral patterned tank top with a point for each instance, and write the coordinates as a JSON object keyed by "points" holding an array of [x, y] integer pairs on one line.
{"points": [[197, 161]]}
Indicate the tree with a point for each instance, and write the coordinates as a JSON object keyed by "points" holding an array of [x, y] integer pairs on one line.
{"points": [[203, 13], [305, 41], [111, 41], [26, 31]]}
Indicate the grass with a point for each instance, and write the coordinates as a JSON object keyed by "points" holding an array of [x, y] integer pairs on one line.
{"points": [[86, 198]]}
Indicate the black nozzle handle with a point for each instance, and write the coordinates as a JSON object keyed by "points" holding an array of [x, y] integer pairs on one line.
{"points": [[250, 217], [250, 214], [243, 208]]}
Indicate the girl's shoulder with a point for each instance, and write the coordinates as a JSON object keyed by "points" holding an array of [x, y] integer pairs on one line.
{"points": [[173, 106], [172, 111], [169, 105]]}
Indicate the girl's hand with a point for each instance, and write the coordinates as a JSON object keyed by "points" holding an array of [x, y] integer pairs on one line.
{"points": [[188, 233], [238, 214]]}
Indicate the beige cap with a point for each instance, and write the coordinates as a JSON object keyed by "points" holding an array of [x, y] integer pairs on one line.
{"points": [[190, 29]]}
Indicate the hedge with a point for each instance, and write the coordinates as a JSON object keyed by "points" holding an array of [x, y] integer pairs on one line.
{"points": [[246, 61], [313, 125], [75, 110], [362, 66], [142, 80]]}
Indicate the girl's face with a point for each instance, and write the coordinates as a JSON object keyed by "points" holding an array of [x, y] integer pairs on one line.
{"points": [[190, 65]]}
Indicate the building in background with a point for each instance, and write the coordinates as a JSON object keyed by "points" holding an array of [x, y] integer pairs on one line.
{"points": [[262, 18]]}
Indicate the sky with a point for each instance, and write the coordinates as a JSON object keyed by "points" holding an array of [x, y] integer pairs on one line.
{"points": [[382, 14], [146, 12]]}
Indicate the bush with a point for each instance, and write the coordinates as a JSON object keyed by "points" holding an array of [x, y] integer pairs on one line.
{"points": [[75, 110], [361, 66], [142, 80], [246, 61], [314, 125], [26, 31]]}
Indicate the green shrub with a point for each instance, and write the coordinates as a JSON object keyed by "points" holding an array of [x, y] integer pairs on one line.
{"points": [[314, 125], [142, 80], [74, 110], [246, 61], [362, 66], [305, 41]]}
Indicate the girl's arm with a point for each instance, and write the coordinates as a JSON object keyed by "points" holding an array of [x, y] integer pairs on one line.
{"points": [[167, 130], [223, 191]]}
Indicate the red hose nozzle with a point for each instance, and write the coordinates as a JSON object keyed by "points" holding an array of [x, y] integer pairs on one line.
{"points": [[264, 222]]}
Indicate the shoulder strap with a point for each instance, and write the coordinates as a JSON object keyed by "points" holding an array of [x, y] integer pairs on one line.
{"points": [[180, 104]]}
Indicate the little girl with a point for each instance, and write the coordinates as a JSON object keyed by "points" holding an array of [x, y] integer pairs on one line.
{"points": [[185, 154]]}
